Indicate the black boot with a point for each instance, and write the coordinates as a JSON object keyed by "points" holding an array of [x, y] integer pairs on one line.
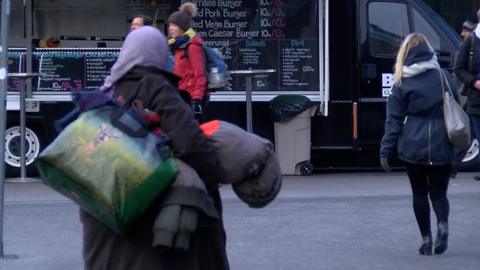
{"points": [[441, 243], [426, 247]]}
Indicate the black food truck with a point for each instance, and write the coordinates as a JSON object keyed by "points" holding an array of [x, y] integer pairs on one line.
{"points": [[338, 53]]}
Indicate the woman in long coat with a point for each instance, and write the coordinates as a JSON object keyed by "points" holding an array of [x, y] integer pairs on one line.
{"points": [[415, 130], [139, 71]]}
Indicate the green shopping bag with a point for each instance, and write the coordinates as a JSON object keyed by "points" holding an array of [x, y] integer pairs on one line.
{"points": [[109, 164]]}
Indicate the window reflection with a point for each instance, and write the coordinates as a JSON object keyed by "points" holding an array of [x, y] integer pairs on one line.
{"points": [[387, 26]]}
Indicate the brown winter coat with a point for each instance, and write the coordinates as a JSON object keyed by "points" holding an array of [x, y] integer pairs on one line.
{"points": [[103, 249]]}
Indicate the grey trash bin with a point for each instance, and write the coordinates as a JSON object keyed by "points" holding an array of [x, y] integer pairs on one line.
{"points": [[292, 126]]}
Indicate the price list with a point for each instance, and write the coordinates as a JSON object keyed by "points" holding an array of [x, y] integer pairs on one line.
{"points": [[67, 69], [15, 66], [97, 67], [263, 34], [61, 70], [299, 66]]}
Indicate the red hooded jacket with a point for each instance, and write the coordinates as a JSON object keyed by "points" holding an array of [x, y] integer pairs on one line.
{"points": [[190, 67]]}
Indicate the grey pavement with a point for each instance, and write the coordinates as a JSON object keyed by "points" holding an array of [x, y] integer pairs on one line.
{"points": [[324, 221]]}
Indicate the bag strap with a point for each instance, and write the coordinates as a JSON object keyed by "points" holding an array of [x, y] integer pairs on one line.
{"points": [[471, 53], [444, 79]]}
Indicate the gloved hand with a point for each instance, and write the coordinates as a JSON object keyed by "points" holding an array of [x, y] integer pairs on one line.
{"points": [[197, 106], [385, 166]]}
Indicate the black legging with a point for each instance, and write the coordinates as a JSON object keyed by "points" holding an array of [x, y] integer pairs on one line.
{"points": [[429, 180]]}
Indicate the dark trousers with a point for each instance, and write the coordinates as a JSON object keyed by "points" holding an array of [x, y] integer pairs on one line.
{"points": [[429, 181], [201, 118]]}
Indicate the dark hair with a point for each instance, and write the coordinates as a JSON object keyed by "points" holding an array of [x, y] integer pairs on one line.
{"points": [[147, 20]]}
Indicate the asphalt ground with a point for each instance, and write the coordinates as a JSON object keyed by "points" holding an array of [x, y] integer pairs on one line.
{"points": [[325, 221]]}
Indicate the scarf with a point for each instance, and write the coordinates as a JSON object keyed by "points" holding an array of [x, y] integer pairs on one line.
{"points": [[477, 31], [420, 67], [144, 47], [181, 41]]}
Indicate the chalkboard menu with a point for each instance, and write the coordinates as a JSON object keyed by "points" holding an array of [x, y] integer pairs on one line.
{"points": [[15, 66], [264, 34], [64, 69], [73, 69], [61, 70], [250, 34], [97, 67]]}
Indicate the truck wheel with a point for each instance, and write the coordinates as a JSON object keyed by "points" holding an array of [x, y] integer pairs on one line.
{"points": [[12, 151], [305, 168]]}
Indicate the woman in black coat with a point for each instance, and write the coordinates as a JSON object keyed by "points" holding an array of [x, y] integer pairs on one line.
{"points": [[415, 130], [139, 73]]}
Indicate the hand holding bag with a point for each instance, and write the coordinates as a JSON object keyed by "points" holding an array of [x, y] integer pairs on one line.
{"points": [[456, 120]]}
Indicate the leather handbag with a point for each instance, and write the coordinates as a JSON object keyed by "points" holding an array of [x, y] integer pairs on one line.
{"points": [[456, 120]]}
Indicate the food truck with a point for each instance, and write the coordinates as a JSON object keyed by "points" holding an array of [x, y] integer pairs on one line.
{"points": [[339, 54]]}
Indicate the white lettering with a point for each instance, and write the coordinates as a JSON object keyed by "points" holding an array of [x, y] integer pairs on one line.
{"points": [[387, 84], [387, 79]]}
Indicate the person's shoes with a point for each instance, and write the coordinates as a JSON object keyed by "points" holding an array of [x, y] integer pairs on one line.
{"points": [[441, 243], [426, 247], [477, 177]]}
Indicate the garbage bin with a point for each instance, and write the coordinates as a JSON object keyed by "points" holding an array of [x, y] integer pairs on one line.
{"points": [[292, 127]]}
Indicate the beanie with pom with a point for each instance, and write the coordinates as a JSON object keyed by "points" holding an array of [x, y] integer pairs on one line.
{"points": [[183, 17]]}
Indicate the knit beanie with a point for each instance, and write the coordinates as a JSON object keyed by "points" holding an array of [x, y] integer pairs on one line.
{"points": [[468, 25], [183, 17]]}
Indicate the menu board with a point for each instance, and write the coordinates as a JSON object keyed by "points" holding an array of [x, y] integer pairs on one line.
{"points": [[61, 70], [15, 57], [64, 69], [74, 69], [97, 67], [264, 34], [251, 34]]}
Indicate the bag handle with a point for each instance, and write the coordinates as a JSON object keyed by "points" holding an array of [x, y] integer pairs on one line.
{"points": [[128, 123], [442, 79], [124, 120]]}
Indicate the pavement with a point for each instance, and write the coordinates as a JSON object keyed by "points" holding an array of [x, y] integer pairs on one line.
{"points": [[324, 221]]}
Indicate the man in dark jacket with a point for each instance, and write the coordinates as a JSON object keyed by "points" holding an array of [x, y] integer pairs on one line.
{"points": [[467, 29], [471, 78]]}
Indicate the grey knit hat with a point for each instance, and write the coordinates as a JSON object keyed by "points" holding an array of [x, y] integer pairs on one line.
{"points": [[468, 25], [183, 17]]}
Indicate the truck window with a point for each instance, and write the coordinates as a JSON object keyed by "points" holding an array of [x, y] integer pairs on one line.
{"points": [[422, 26], [387, 26]]}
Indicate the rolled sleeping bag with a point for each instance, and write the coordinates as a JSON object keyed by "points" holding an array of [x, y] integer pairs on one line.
{"points": [[249, 162]]}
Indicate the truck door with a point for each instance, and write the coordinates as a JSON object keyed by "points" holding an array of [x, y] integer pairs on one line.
{"points": [[384, 24], [380, 39]]}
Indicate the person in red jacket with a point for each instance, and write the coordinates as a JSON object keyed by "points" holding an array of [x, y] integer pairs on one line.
{"points": [[189, 58]]}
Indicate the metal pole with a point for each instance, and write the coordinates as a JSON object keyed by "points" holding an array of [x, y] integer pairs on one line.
{"points": [[24, 77], [28, 44], [5, 25], [249, 73], [248, 99], [22, 132]]}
